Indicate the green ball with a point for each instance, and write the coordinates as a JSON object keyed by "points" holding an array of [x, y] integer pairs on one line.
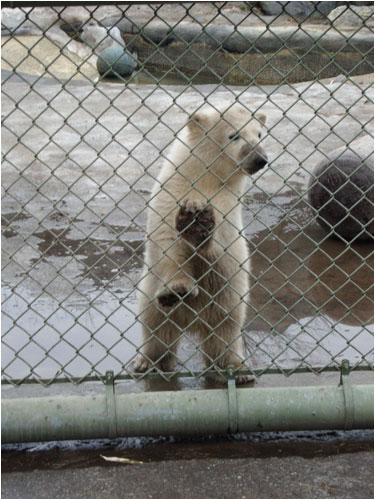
{"points": [[115, 61]]}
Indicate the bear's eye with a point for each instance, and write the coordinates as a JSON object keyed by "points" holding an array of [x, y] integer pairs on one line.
{"points": [[260, 135], [234, 137]]}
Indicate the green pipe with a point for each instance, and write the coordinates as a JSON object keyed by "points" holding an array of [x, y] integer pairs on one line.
{"points": [[216, 411]]}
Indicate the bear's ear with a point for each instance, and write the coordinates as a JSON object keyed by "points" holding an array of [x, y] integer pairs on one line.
{"points": [[261, 117]]}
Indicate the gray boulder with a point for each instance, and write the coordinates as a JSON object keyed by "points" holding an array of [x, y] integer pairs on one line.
{"points": [[116, 61], [341, 190], [352, 16], [298, 9]]}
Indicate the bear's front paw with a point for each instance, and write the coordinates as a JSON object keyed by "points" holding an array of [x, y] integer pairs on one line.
{"points": [[174, 293], [195, 221]]}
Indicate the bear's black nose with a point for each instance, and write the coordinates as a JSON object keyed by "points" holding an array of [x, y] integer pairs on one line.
{"points": [[259, 162]]}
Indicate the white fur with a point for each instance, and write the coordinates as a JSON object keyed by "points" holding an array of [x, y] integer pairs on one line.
{"points": [[206, 169]]}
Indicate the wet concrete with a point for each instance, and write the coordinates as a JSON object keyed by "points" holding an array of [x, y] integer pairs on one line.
{"points": [[329, 464], [69, 455], [75, 193], [283, 323], [323, 311]]}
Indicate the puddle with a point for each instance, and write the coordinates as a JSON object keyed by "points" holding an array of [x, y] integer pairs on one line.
{"points": [[100, 258], [72, 311], [7, 220], [144, 77], [72, 455], [311, 296]]}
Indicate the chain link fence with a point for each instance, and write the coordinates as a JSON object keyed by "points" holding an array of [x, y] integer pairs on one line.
{"points": [[88, 160]]}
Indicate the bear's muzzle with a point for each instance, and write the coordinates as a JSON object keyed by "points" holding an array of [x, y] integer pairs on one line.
{"points": [[258, 162], [252, 159]]}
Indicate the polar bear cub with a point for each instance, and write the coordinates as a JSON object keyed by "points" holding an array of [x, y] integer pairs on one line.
{"points": [[196, 269]]}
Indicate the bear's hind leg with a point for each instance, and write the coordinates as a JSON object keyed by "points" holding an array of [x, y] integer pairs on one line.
{"points": [[223, 347], [159, 342]]}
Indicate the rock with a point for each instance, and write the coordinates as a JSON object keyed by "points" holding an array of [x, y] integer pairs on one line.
{"points": [[352, 17], [99, 38], [341, 190], [340, 78], [28, 20], [116, 61], [298, 9]]}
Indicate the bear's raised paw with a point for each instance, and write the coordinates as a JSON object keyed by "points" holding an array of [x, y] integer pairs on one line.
{"points": [[174, 293], [195, 221]]}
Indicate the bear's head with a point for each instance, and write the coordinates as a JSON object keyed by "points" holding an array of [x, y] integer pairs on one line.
{"points": [[228, 140]]}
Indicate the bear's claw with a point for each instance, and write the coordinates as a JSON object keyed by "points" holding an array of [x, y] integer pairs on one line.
{"points": [[240, 380], [141, 364]]}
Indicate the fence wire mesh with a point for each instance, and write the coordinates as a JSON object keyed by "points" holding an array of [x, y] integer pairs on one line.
{"points": [[87, 160]]}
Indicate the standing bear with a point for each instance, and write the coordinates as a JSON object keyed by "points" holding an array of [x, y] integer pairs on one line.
{"points": [[196, 271]]}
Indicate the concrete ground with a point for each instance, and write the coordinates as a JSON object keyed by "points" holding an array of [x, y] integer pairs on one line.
{"points": [[320, 465], [341, 476], [335, 464]]}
